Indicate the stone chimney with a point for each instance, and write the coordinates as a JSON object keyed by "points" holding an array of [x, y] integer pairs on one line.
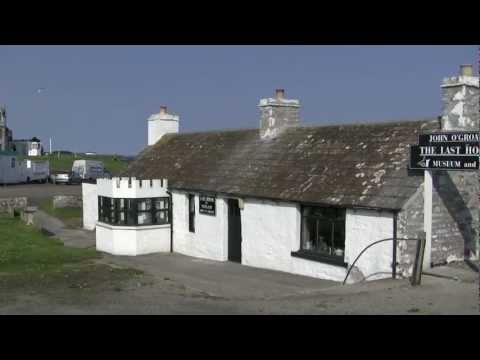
{"points": [[461, 95], [277, 114], [3, 129], [161, 124]]}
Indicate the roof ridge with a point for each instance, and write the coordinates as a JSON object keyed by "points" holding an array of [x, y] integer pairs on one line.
{"points": [[303, 126]]}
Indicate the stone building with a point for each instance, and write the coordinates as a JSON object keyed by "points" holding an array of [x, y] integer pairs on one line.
{"points": [[5, 132], [294, 198]]}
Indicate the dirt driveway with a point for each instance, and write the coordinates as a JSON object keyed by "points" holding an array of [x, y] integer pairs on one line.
{"points": [[177, 284]]}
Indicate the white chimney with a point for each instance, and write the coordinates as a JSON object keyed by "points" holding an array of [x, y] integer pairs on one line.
{"points": [[161, 124]]}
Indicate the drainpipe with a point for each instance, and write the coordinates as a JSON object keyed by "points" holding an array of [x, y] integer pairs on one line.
{"points": [[171, 221], [394, 255]]}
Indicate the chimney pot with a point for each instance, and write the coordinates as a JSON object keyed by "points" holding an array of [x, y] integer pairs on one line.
{"points": [[466, 70], [163, 109], [280, 93]]}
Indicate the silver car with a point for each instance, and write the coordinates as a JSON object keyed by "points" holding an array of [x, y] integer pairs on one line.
{"points": [[60, 178]]}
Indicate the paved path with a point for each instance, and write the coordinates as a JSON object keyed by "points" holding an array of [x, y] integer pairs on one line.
{"points": [[71, 237]]}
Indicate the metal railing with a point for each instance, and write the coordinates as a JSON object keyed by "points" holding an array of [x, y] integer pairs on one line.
{"points": [[417, 271]]}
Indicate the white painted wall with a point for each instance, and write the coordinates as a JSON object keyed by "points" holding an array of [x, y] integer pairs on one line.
{"points": [[131, 240], [133, 188], [363, 227], [90, 205], [270, 232], [161, 124], [210, 239], [127, 240]]}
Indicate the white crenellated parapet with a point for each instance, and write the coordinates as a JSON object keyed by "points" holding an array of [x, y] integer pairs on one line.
{"points": [[130, 187]]}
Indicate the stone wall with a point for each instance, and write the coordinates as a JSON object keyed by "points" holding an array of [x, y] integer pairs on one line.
{"points": [[63, 201], [455, 220], [8, 205]]}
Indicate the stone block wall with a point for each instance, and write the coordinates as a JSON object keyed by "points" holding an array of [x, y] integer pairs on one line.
{"points": [[455, 220], [8, 205], [63, 201]]}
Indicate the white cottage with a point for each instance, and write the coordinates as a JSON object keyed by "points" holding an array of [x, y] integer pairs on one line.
{"points": [[299, 199]]}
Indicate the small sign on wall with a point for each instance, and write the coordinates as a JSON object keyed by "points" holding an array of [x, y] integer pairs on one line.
{"points": [[207, 204]]}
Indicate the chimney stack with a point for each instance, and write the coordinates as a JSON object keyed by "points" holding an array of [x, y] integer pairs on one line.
{"points": [[466, 70], [161, 124], [277, 113], [461, 95], [280, 94]]}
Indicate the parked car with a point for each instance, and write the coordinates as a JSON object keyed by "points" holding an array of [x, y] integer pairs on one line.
{"points": [[60, 178]]}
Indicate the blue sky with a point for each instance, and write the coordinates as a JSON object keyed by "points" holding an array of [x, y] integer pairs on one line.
{"points": [[98, 98]]}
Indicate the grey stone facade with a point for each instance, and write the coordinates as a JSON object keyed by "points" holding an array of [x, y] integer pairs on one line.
{"points": [[455, 214], [9, 205], [5, 132], [461, 97], [277, 114], [455, 220]]}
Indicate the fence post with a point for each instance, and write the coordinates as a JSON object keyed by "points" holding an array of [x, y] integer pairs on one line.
{"points": [[416, 278]]}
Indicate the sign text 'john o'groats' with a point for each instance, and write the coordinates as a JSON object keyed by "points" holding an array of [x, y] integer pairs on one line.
{"points": [[207, 204], [446, 151]]}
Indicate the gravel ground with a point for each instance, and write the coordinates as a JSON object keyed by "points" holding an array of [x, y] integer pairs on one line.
{"points": [[36, 193], [177, 284]]}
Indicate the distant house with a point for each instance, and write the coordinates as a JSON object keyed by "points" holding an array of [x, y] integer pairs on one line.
{"points": [[300, 199], [31, 147]]}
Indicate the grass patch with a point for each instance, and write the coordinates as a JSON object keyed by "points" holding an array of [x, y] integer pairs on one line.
{"points": [[24, 249], [63, 162], [70, 216], [61, 213]]}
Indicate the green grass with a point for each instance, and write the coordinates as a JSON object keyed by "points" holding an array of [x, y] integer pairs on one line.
{"points": [[25, 249], [66, 213], [70, 216], [63, 162]]}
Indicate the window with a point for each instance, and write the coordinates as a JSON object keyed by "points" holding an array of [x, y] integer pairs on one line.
{"points": [[191, 212], [13, 162], [134, 212], [323, 234]]}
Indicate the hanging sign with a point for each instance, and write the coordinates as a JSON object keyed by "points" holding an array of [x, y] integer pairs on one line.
{"points": [[446, 151], [207, 204]]}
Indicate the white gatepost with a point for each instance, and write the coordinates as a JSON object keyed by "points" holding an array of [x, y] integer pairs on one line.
{"points": [[427, 216]]}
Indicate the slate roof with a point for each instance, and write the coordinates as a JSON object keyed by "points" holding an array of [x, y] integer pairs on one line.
{"points": [[359, 165]]}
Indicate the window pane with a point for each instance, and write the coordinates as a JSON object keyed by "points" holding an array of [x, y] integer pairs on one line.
{"points": [[161, 217], [144, 204], [323, 230], [309, 233], [161, 203], [339, 238], [131, 216], [144, 218], [324, 237]]}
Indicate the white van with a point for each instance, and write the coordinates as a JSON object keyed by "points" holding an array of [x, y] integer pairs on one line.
{"points": [[89, 169]]}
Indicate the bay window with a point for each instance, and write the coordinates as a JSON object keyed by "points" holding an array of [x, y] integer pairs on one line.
{"points": [[134, 212]]}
